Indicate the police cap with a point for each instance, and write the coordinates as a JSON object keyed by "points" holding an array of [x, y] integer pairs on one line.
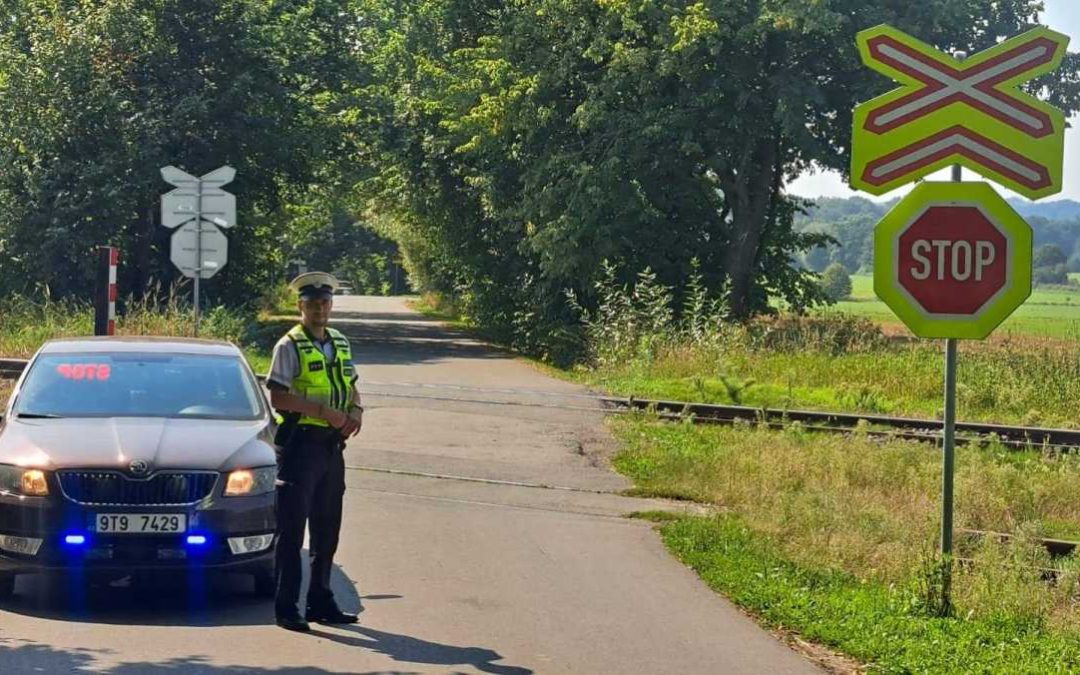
{"points": [[314, 285]]}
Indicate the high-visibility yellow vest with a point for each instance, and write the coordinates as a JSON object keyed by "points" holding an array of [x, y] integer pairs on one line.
{"points": [[327, 383]]}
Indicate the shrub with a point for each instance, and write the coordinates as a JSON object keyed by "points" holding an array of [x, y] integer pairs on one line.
{"points": [[278, 299], [833, 334], [636, 322], [1049, 255], [1055, 274], [836, 282]]}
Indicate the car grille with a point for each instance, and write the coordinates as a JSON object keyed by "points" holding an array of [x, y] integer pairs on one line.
{"points": [[112, 488]]}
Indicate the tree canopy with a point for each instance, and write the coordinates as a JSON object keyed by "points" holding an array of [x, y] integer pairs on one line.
{"points": [[521, 144], [508, 148], [96, 97]]}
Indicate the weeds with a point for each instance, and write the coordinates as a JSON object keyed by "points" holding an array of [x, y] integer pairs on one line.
{"points": [[869, 509], [886, 626], [277, 300], [637, 344], [25, 325], [639, 325]]}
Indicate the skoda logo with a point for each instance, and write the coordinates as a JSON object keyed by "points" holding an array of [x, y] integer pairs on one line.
{"points": [[139, 467]]}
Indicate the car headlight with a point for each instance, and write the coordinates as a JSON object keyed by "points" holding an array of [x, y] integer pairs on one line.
{"points": [[250, 482], [20, 481]]}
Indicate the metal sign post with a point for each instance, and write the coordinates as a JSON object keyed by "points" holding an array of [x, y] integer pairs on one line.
{"points": [[198, 251], [948, 459], [953, 260], [191, 207]]}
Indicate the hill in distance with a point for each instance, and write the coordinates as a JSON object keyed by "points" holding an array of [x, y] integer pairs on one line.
{"points": [[831, 208], [1058, 209]]}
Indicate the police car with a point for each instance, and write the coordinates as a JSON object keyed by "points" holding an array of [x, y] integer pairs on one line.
{"points": [[119, 455]]}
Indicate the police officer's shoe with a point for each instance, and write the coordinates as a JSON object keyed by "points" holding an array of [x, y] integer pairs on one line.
{"points": [[330, 615], [293, 623]]}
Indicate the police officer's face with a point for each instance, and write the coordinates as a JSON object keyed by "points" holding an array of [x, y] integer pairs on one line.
{"points": [[316, 311]]}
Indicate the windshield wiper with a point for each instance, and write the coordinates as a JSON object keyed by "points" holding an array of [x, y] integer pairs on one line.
{"points": [[38, 416]]}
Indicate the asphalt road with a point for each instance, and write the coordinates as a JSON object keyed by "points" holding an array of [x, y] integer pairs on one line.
{"points": [[478, 537]]}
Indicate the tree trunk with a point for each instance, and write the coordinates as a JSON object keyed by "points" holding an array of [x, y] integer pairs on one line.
{"points": [[139, 259], [749, 194]]}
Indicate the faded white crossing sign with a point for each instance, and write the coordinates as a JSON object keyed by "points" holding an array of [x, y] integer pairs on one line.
{"points": [[198, 207], [199, 250], [198, 197]]}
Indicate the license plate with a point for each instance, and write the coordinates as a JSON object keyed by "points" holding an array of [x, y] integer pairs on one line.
{"points": [[140, 523]]}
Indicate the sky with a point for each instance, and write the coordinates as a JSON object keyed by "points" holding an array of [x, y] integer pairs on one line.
{"points": [[1062, 16]]}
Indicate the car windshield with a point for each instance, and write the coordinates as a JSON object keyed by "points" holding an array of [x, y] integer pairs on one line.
{"points": [[138, 385]]}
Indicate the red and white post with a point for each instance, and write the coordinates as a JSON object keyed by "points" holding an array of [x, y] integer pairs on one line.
{"points": [[105, 300]]}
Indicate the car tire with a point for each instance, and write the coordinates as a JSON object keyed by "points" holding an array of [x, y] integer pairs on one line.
{"points": [[7, 586], [265, 582]]}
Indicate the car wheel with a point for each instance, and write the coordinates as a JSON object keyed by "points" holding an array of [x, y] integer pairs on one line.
{"points": [[265, 582], [7, 585]]}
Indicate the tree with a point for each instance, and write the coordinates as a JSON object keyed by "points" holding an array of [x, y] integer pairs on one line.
{"points": [[96, 97], [533, 140], [836, 282], [1049, 255], [1052, 274], [817, 259]]}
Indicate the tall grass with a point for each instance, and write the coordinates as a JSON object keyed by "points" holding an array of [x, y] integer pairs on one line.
{"points": [[859, 514], [26, 324], [278, 300], [870, 509], [640, 344]]}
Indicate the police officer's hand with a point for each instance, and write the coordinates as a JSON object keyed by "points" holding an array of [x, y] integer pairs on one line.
{"points": [[340, 421], [357, 417]]}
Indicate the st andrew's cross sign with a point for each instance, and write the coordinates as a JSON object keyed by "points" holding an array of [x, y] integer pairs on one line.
{"points": [[970, 113]]}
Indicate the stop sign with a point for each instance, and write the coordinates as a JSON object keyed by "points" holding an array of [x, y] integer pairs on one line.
{"points": [[952, 260]]}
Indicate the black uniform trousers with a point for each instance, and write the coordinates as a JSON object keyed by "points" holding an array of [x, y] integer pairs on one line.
{"points": [[311, 471]]}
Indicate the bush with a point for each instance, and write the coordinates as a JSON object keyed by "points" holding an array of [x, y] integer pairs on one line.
{"points": [[833, 334], [635, 322], [278, 299], [1049, 255], [1055, 274], [836, 282]]}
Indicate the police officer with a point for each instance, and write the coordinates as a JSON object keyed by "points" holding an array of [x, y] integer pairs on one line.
{"points": [[312, 385]]}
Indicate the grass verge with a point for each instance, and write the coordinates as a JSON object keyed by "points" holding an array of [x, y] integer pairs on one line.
{"points": [[27, 325], [845, 364], [882, 625], [832, 537], [435, 306]]}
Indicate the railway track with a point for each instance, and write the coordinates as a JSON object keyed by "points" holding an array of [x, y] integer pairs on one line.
{"points": [[702, 413], [10, 369], [877, 425], [1017, 437]]}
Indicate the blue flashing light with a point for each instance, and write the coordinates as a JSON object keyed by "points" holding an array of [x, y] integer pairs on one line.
{"points": [[75, 539], [196, 540]]}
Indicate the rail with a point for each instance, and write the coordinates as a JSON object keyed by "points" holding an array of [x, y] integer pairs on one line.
{"points": [[1017, 437], [703, 413], [10, 369], [902, 427]]}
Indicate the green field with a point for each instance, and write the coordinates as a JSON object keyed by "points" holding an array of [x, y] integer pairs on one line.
{"points": [[1051, 311]]}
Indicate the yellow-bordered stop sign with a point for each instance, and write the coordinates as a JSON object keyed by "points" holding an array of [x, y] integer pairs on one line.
{"points": [[953, 260]]}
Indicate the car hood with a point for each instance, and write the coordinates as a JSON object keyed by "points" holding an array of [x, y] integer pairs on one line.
{"points": [[219, 445]]}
